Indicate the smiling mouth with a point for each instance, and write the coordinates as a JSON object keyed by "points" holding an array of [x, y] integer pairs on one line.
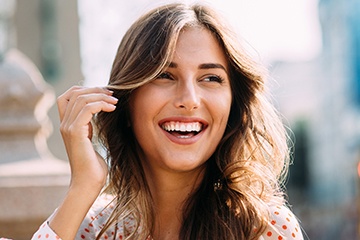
{"points": [[183, 130]]}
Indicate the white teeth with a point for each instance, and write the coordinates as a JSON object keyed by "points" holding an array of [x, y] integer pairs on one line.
{"points": [[182, 126]]}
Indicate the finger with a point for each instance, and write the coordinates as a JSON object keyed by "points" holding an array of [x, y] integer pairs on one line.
{"points": [[63, 100], [82, 94], [79, 126], [82, 101], [67, 99], [95, 107]]}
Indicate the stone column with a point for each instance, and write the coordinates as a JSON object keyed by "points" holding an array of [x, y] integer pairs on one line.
{"points": [[32, 181]]}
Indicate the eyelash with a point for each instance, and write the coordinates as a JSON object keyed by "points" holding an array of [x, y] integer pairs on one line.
{"points": [[216, 78], [165, 75]]}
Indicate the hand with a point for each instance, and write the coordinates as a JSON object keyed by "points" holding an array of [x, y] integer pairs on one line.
{"points": [[76, 109]]}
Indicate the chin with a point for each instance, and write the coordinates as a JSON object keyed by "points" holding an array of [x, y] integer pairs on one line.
{"points": [[186, 166]]}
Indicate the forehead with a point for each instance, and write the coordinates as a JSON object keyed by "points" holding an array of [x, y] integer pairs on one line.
{"points": [[198, 44]]}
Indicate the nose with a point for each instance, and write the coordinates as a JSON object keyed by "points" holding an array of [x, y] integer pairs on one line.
{"points": [[187, 96]]}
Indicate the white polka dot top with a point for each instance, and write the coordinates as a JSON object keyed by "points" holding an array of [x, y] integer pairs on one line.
{"points": [[283, 224]]}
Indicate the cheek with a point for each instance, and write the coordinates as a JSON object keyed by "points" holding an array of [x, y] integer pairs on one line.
{"points": [[225, 116], [222, 106], [144, 107], [139, 103]]}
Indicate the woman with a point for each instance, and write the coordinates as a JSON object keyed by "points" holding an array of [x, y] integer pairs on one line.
{"points": [[194, 149]]}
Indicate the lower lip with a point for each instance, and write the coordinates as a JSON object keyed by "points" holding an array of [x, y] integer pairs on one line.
{"points": [[184, 141]]}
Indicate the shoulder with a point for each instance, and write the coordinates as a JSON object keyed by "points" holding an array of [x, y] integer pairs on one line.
{"points": [[96, 217], [282, 225]]}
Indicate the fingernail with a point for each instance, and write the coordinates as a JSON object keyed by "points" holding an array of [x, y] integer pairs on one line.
{"points": [[108, 90]]}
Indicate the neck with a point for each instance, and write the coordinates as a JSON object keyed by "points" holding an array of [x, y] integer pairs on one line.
{"points": [[170, 190]]}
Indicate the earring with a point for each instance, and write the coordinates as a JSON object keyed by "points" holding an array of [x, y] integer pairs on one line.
{"points": [[218, 185]]}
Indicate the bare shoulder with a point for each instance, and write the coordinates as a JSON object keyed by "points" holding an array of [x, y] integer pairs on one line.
{"points": [[282, 225]]}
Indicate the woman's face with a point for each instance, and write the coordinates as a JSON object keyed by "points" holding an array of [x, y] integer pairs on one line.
{"points": [[180, 117]]}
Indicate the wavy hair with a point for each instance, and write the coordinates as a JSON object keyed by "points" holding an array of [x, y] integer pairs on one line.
{"points": [[244, 174]]}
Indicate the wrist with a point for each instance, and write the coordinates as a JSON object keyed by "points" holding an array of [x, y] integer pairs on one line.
{"points": [[86, 187]]}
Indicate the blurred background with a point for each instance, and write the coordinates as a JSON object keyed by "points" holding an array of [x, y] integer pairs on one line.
{"points": [[312, 50]]}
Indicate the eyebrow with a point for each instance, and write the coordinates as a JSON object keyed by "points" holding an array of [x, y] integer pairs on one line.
{"points": [[202, 66], [211, 65]]}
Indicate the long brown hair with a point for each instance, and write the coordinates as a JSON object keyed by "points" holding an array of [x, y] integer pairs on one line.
{"points": [[242, 176]]}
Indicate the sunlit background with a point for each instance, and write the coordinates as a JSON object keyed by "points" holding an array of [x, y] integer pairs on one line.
{"points": [[274, 30], [312, 50]]}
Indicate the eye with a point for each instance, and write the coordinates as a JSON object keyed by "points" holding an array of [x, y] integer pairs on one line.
{"points": [[165, 75], [213, 78]]}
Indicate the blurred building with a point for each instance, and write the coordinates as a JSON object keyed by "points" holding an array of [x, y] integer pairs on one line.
{"points": [[34, 35], [48, 33], [320, 100]]}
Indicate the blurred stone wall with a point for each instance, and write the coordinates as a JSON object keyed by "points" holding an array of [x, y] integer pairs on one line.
{"points": [[41, 61], [64, 44]]}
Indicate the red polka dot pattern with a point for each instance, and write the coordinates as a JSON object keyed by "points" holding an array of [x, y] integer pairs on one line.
{"points": [[45, 232], [282, 225]]}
